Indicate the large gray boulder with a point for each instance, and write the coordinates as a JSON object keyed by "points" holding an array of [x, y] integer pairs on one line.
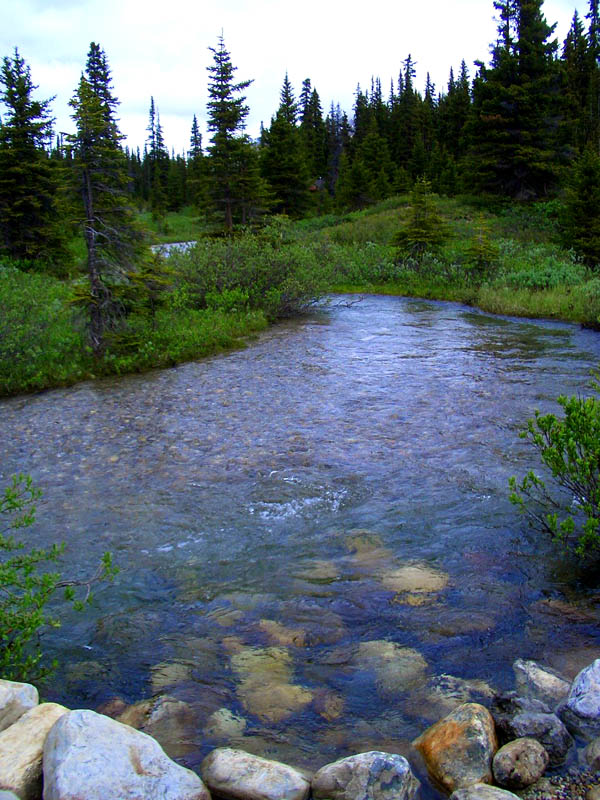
{"points": [[517, 718], [236, 774], [540, 683], [458, 750], [481, 791], [15, 699], [581, 710], [366, 776], [88, 755], [22, 747], [520, 763]]}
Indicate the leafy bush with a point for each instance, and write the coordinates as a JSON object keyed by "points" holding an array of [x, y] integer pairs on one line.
{"points": [[570, 448], [280, 274], [26, 589], [591, 303], [39, 341], [538, 266]]}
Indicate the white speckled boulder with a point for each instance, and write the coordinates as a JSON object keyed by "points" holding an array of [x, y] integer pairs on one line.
{"points": [[21, 750], [15, 699], [482, 791], [88, 755], [239, 775], [366, 776], [581, 710], [458, 750]]}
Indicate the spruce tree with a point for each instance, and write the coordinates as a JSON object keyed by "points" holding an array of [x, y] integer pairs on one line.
{"points": [[196, 169], [283, 159], [113, 242], [233, 179], [580, 219], [30, 222], [158, 163], [513, 146], [593, 101]]}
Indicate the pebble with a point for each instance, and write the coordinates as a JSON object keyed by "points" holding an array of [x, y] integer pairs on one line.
{"points": [[575, 784]]}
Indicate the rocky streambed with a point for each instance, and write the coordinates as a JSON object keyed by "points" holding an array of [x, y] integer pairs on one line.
{"points": [[475, 752]]}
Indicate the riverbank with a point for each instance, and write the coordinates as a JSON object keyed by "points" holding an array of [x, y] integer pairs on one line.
{"points": [[510, 744], [211, 297]]}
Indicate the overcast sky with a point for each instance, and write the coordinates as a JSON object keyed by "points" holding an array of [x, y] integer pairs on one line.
{"points": [[160, 48]]}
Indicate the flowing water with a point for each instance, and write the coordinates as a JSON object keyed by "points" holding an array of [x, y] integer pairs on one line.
{"points": [[312, 531]]}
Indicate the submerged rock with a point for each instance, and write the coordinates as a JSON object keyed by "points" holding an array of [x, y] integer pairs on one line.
{"points": [[415, 584], [224, 724], [15, 699], [319, 571], [265, 687], [397, 669], [366, 776], [329, 704], [458, 750], [169, 673], [239, 775], [443, 693], [279, 634]]}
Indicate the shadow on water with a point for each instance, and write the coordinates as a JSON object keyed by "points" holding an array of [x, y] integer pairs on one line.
{"points": [[317, 551]]}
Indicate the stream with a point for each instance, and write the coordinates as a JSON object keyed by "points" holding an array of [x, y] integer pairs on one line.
{"points": [[316, 545]]}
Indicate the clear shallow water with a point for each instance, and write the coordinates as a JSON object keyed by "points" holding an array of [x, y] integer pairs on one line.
{"points": [[264, 507]]}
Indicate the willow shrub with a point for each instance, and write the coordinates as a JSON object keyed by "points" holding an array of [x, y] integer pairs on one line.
{"points": [[40, 342], [279, 273], [569, 447], [28, 583]]}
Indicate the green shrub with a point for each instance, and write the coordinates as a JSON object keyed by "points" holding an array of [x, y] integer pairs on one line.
{"points": [[265, 266], [538, 266], [26, 589], [569, 447], [591, 303], [40, 344]]}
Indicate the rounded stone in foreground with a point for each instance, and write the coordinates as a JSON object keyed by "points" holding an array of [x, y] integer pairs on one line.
{"points": [[518, 717], [458, 750], [367, 776], [88, 755], [520, 763], [239, 775], [22, 747], [482, 791]]}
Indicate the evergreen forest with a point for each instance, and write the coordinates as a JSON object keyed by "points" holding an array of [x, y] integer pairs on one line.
{"points": [[485, 190]]}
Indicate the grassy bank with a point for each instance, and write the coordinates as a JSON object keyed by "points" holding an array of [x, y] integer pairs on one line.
{"points": [[507, 262], [212, 297], [43, 337]]}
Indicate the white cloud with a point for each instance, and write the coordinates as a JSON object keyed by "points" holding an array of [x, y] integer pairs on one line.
{"points": [[161, 49]]}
